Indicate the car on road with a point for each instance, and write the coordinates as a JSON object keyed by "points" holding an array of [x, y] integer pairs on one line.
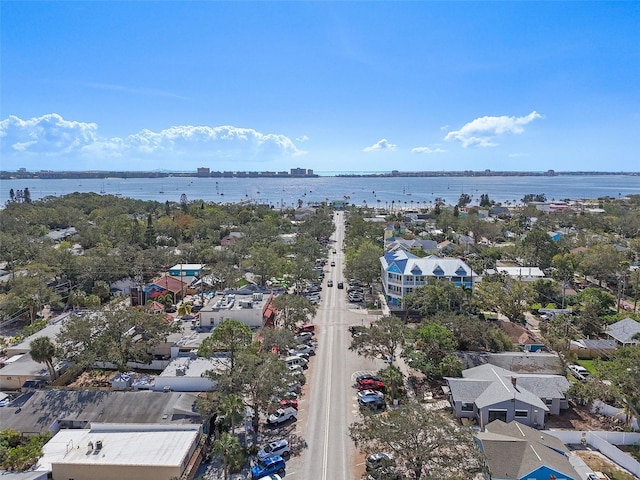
{"points": [[278, 447], [282, 415], [268, 466], [333, 264], [340, 285], [334, 252], [330, 283], [370, 385], [379, 460]]}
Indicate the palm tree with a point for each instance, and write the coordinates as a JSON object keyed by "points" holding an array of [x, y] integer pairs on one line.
{"points": [[230, 449], [184, 309], [42, 351], [232, 407]]}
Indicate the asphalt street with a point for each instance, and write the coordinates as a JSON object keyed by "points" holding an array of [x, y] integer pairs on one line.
{"points": [[329, 404]]}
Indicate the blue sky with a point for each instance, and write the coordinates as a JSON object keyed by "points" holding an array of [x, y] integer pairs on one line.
{"points": [[331, 86]]}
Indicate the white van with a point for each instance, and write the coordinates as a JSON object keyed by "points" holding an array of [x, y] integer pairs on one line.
{"points": [[294, 360]]}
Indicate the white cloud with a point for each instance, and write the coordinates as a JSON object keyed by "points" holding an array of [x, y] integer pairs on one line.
{"points": [[480, 132], [46, 134], [518, 155], [51, 135], [427, 150], [301, 139], [382, 144]]}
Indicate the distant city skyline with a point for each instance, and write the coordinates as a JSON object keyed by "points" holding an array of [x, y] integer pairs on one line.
{"points": [[326, 86]]}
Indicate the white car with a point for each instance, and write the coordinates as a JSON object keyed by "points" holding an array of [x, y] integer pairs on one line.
{"points": [[370, 393], [282, 415], [279, 447], [579, 372], [304, 348]]}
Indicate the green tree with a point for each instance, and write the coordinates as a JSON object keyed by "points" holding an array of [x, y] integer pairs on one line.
{"points": [[425, 443], [538, 249], [505, 295], [115, 336], [433, 344], [293, 309], [437, 295], [43, 350], [257, 377], [230, 450], [230, 336], [600, 261], [393, 379], [232, 406], [280, 338], [382, 339], [363, 262]]}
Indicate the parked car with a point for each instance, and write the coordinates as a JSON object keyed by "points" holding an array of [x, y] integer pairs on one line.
{"points": [[282, 415], [370, 393], [357, 330], [303, 337], [379, 460], [268, 466], [304, 348], [579, 372], [288, 403], [295, 353], [370, 385], [307, 327], [367, 376], [279, 447], [372, 402]]}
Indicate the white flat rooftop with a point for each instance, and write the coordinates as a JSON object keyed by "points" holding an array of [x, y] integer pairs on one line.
{"points": [[122, 444]]}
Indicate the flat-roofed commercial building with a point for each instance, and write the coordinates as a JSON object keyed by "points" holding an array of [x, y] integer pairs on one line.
{"points": [[108, 451]]}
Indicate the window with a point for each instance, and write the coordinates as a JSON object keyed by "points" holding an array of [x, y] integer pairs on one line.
{"points": [[409, 290], [497, 415], [548, 401], [522, 413], [467, 407]]}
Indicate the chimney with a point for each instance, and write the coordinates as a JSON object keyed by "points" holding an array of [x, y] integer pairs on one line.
{"points": [[513, 382]]}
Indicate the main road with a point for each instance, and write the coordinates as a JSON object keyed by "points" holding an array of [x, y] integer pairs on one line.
{"points": [[329, 405]]}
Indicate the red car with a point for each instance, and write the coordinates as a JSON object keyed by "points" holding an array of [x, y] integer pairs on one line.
{"points": [[289, 403], [370, 384]]}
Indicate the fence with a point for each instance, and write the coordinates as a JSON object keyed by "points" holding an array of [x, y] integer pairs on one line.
{"points": [[606, 443]]}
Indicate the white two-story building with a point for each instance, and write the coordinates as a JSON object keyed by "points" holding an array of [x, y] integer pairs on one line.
{"points": [[403, 272]]}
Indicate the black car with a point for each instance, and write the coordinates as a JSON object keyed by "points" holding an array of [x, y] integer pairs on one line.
{"points": [[368, 376], [340, 285]]}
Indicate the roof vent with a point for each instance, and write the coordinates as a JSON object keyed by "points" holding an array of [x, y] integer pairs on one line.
{"points": [[99, 445]]}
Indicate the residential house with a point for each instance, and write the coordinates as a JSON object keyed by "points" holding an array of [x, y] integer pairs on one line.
{"points": [[186, 272], [403, 272], [487, 393], [525, 274], [20, 369], [395, 243], [624, 331], [513, 451], [166, 284]]}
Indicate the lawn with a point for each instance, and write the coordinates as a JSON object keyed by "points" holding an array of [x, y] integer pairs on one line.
{"points": [[588, 364]]}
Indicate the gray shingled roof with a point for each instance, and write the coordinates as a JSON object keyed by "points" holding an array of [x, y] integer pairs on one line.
{"points": [[514, 450], [42, 408], [624, 330]]}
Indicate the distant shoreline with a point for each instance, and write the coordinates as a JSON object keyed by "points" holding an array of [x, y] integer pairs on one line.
{"points": [[47, 175]]}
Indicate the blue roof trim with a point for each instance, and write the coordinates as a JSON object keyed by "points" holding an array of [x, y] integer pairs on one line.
{"points": [[393, 268], [438, 271], [461, 272]]}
